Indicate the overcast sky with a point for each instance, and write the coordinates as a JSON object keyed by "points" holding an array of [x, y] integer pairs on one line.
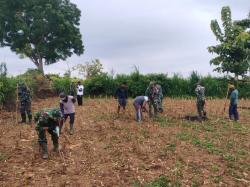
{"points": [[158, 36]]}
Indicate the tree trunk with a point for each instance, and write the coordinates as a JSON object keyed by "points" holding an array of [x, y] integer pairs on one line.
{"points": [[40, 65], [236, 78]]}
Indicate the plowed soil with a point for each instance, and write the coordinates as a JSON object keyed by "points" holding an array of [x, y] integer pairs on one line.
{"points": [[111, 150]]}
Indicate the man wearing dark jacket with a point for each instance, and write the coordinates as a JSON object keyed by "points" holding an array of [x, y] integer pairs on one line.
{"points": [[122, 95]]}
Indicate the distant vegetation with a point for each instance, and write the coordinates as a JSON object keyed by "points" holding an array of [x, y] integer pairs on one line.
{"points": [[104, 84]]}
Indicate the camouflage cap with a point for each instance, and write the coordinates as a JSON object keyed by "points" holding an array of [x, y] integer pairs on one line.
{"points": [[56, 113], [152, 83], [21, 83], [200, 82]]}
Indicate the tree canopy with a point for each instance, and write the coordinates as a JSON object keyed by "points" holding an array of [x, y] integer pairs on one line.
{"points": [[233, 54], [89, 69], [45, 31]]}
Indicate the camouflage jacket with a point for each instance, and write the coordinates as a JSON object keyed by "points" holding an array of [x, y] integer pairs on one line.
{"points": [[48, 118], [151, 92], [200, 93], [159, 91], [24, 95]]}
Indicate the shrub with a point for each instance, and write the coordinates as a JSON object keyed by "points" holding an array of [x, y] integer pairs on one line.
{"points": [[61, 84], [8, 91]]}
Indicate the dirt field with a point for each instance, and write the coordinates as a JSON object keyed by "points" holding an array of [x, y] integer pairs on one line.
{"points": [[107, 150]]}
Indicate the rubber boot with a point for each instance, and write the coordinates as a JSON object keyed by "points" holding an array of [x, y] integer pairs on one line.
{"points": [[56, 147], [71, 132], [44, 151], [60, 128], [55, 144], [23, 116]]}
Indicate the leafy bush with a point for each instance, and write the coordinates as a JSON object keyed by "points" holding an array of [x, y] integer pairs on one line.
{"points": [[7, 91], [61, 84], [99, 85]]}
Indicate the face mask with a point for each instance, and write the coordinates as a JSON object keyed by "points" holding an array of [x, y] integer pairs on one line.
{"points": [[65, 99]]}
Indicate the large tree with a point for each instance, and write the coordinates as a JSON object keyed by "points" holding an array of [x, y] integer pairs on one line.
{"points": [[45, 31], [232, 51]]}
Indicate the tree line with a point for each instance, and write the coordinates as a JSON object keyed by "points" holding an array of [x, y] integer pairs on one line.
{"points": [[104, 84], [175, 86]]}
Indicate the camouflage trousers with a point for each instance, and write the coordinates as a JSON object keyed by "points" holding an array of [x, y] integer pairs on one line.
{"points": [[200, 108], [25, 108], [155, 104], [42, 136]]}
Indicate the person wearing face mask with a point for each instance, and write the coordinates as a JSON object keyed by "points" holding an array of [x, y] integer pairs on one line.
{"points": [[68, 109]]}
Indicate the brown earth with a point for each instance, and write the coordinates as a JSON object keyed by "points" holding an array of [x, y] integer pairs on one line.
{"points": [[107, 150]]}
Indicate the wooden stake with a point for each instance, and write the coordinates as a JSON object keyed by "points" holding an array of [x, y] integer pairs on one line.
{"points": [[225, 102], [17, 101]]}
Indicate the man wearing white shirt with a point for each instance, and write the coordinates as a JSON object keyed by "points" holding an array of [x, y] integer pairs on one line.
{"points": [[80, 89]]}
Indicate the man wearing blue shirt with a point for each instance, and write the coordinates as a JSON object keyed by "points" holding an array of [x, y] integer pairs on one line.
{"points": [[233, 112]]}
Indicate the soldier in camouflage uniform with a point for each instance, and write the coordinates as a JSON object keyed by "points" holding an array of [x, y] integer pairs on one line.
{"points": [[50, 120], [200, 102], [25, 102], [154, 98], [159, 97]]}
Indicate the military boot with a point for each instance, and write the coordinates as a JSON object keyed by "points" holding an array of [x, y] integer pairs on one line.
{"points": [[30, 118], [23, 116], [56, 145], [44, 151]]}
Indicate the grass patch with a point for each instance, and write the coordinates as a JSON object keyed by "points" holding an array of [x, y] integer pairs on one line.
{"points": [[105, 117], [217, 179], [127, 137], [242, 153], [145, 133], [208, 127], [3, 157], [164, 121], [114, 139], [168, 148], [215, 168], [116, 127], [184, 136], [240, 129], [229, 157], [136, 183], [161, 181], [196, 181]]}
